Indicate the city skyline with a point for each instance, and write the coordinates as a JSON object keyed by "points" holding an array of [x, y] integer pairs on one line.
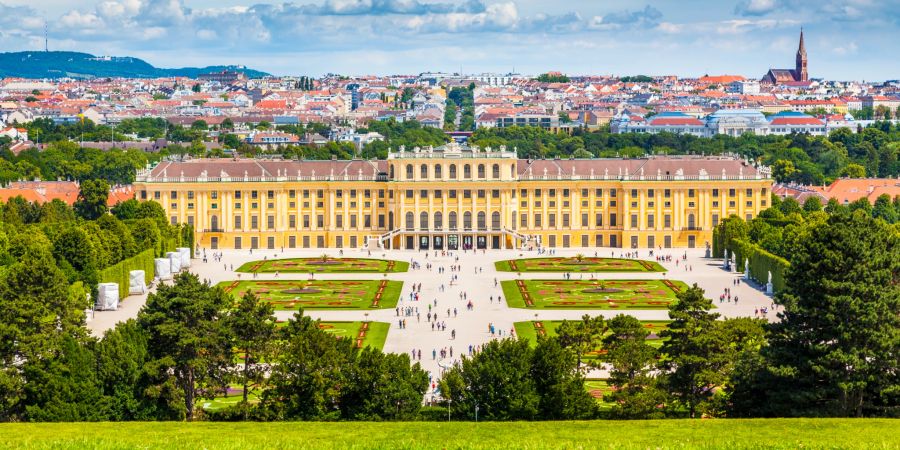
{"points": [[845, 40]]}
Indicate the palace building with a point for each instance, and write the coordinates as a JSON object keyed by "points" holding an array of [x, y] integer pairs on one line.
{"points": [[456, 197]]}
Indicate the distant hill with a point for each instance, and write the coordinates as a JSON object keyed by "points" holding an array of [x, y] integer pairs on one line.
{"points": [[83, 65]]}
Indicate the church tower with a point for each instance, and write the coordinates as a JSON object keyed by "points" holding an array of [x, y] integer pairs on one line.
{"points": [[801, 73]]}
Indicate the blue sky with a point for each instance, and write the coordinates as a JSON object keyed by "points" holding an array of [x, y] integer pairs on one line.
{"points": [[849, 39]]}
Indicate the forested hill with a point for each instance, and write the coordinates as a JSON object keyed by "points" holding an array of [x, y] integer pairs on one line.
{"points": [[84, 65]]}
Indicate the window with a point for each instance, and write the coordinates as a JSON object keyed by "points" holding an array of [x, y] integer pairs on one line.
{"points": [[551, 220], [731, 193], [173, 195], [254, 195], [565, 220], [481, 171], [306, 221], [650, 222], [634, 221], [692, 222], [423, 194], [495, 171], [651, 193], [612, 220], [423, 220], [452, 171], [254, 222], [270, 195], [467, 171], [452, 220], [634, 193], [584, 220], [423, 171], [598, 220], [320, 221], [438, 172], [409, 172], [270, 222], [537, 192], [715, 219], [339, 221], [292, 194], [749, 193], [715, 193], [523, 220], [612, 192], [537, 220], [667, 193], [495, 217], [237, 222], [214, 195], [667, 221], [467, 220], [481, 193], [495, 193], [438, 220], [410, 221], [292, 221], [482, 220], [353, 218]]}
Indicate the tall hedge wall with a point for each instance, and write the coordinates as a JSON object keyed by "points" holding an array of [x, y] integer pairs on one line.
{"points": [[761, 263], [118, 273]]}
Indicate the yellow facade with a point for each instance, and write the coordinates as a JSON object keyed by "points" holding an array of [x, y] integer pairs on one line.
{"points": [[455, 197]]}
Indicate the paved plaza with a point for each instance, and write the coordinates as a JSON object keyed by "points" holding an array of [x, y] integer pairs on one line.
{"points": [[478, 280]]}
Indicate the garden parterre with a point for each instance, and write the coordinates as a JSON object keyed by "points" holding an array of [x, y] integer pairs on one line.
{"points": [[320, 294], [591, 294], [577, 264], [325, 265]]}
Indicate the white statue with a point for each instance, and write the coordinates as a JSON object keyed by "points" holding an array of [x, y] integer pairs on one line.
{"points": [[769, 287]]}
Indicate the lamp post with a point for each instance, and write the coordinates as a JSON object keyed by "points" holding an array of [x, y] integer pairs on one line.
{"points": [[449, 401], [476, 413]]}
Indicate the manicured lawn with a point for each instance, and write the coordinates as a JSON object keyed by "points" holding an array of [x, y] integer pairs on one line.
{"points": [[321, 294], [591, 294], [530, 331], [729, 434], [598, 388], [330, 265], [566, 264]]}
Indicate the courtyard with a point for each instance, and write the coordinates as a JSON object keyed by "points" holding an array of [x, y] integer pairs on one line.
{"points": [[476, 278]]}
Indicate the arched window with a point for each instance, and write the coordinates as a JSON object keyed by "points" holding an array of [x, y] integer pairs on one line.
{"points": [[495, 171], [392, 172], [452, 220], [481, 171], [423, 171], [512, 220], [691, 222], [410, 221], [467, 171], [438, 220], [482, 220], [495, 220], [409, 172], [391, 220], [467, 220], [438, 172], [512, 170], [452, 171], [214, 222], [423, 220]]}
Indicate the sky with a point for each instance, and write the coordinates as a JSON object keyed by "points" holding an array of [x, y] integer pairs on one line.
{"points": [[845, 39]]}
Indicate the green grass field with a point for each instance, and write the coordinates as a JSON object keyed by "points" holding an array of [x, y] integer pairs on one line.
{"points": [[564, 264], [732, 434], [320, 294], [330, 265], [591, 294]]}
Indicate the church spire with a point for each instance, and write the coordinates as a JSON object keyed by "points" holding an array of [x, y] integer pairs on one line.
{"points": [[800, 71]]}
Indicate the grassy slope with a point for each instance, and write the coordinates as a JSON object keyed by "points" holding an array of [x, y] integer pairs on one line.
{"points": [[681, 434]]}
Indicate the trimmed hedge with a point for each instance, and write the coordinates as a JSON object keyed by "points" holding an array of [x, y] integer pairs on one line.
{"points": [[761, 263]]}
